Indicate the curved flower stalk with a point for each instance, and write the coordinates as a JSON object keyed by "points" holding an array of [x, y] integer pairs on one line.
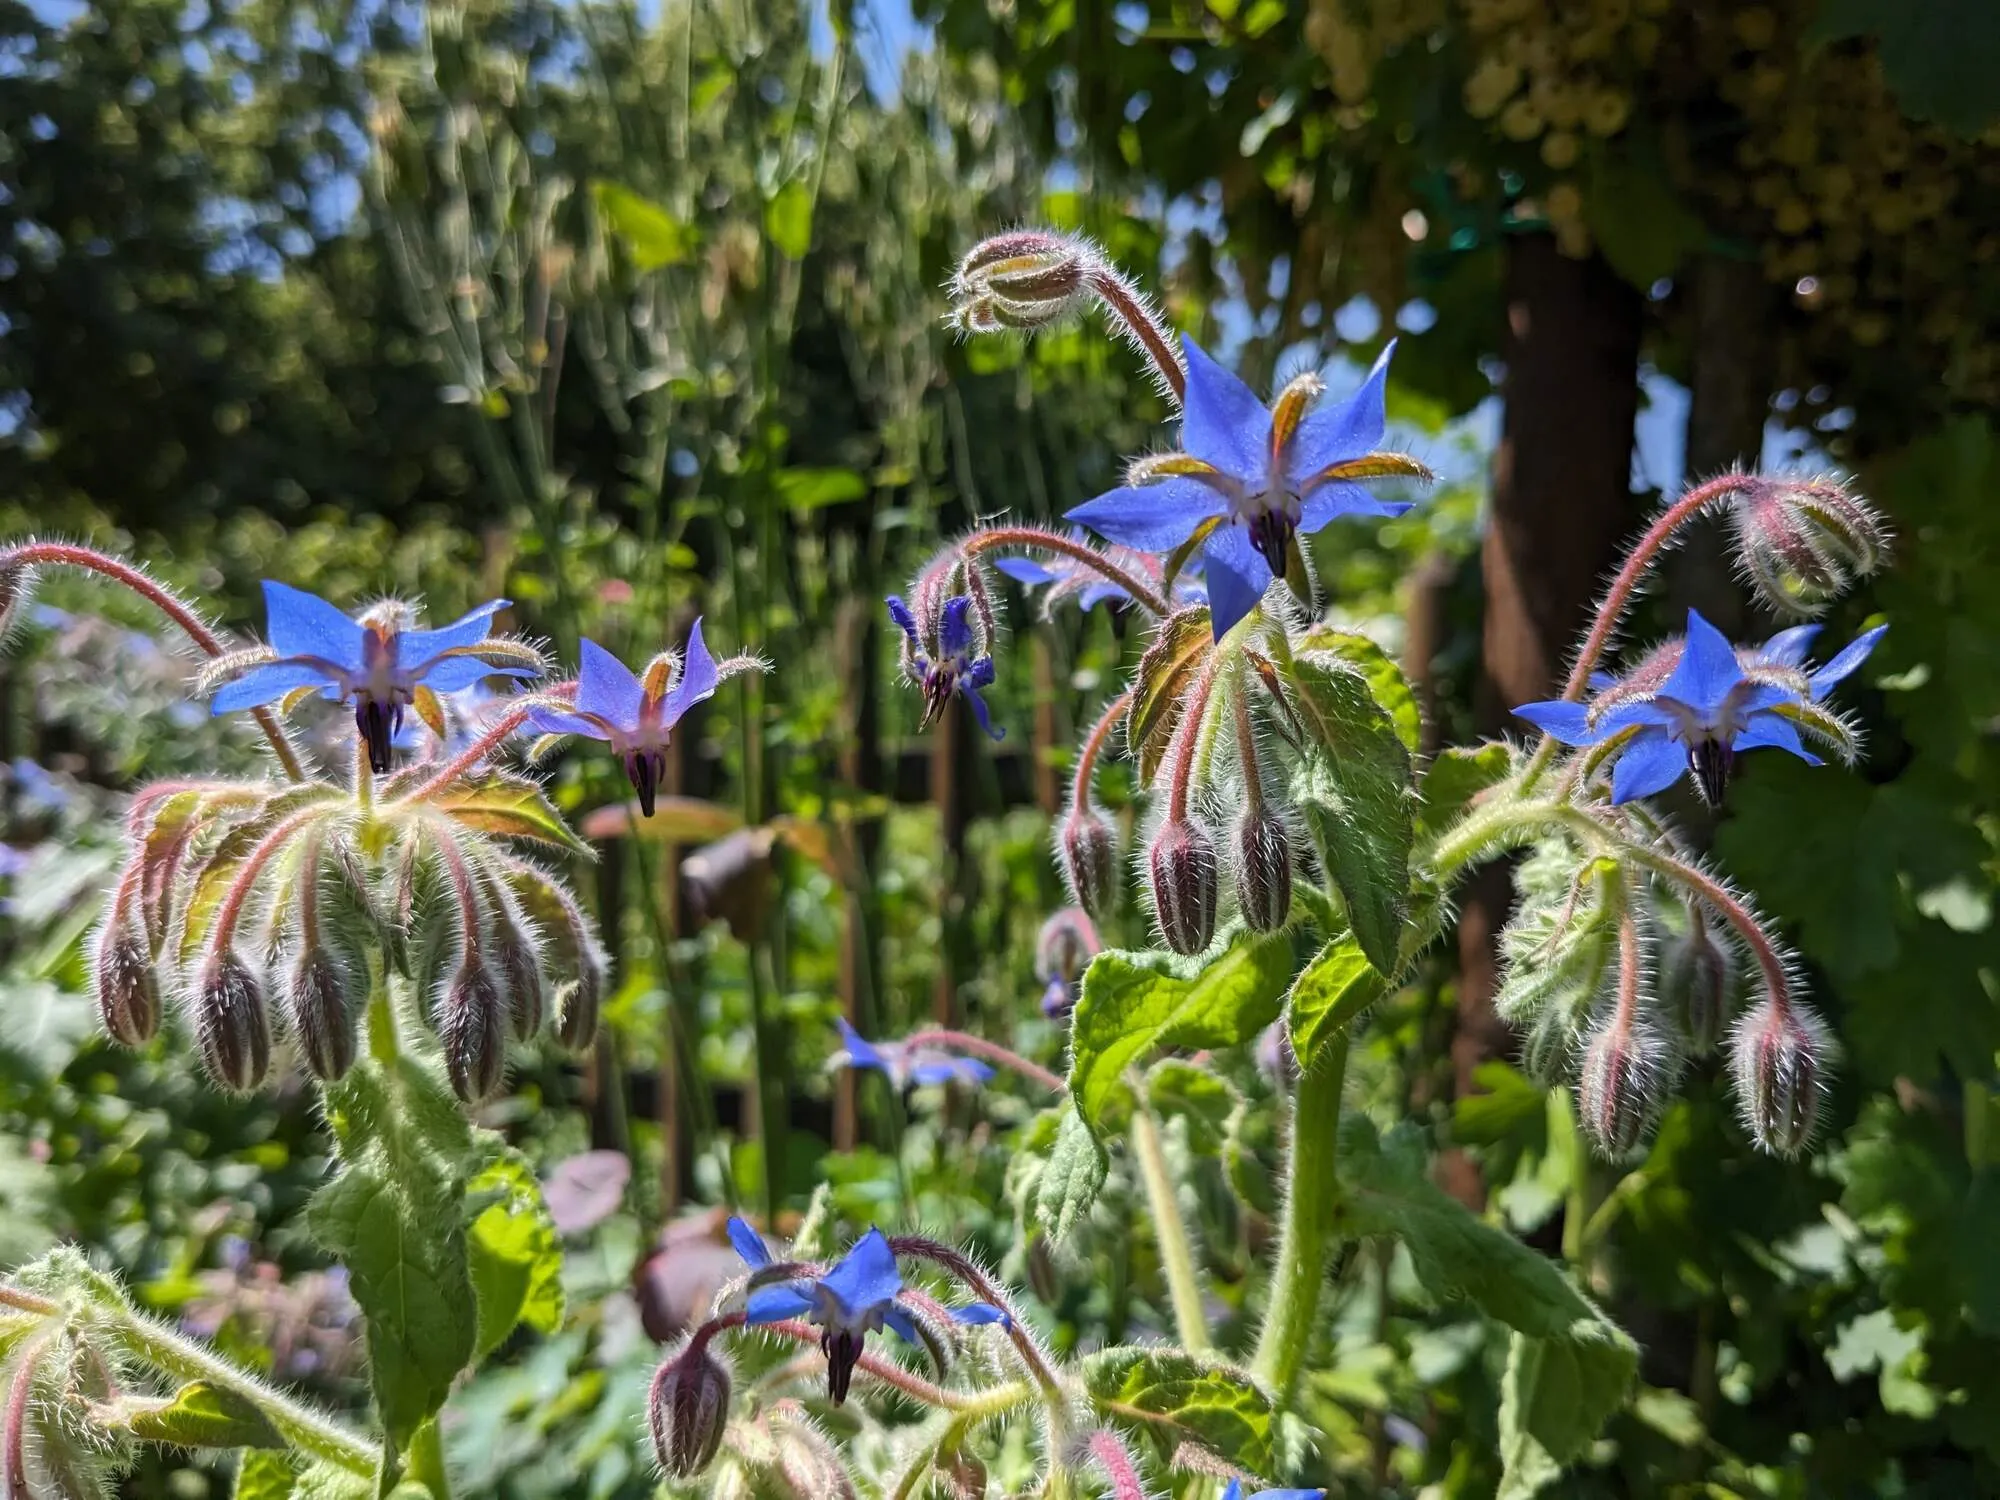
{"points": [[636, 713], [377, 661]]}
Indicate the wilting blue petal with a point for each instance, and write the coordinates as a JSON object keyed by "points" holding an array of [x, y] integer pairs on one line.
{"points": [[606, 688], [1222, 422], [1777, 733], [1707, 670], [1335, 431], [980, 712], [415, 647], [267, 684], [1093, 594], [861, 1053], [907, 622], [554, 721], [1236, 574], [454, 674], [1329, 502], [955, 627], [748, 1242], [1788, 648], [980, 673], [981, 1312], [1151, 517], [866, 1277], [300, 624], [778, 1304], [1851, 656], [1568, 722], [698, 677], [901, 1324], [1651, 763], [1025, 570]]}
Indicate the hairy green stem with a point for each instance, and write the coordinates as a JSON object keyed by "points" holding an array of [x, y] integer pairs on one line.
{"points": [[1176, 1249], [1312, 1193]]}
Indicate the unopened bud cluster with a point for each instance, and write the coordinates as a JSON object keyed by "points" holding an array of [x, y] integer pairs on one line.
{"points": [[1802, 542]]}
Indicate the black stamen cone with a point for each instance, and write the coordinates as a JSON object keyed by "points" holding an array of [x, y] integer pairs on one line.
{"points": [[377, 729], [1271, 534], [647, 768], [843, 1351], [938, 685], [1711, 761]]}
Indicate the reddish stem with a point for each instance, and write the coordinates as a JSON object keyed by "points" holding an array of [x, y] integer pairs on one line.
{"points": [[1187, 736], [65, 554], [1125, 304], [991, 1051], [28, 1302], [986, 1289], [231, 912], [1737, 915], [1637, 562], [1093, 747], [1050, 541], [14, 1439], [1119, 1470], [886, 1371], [487, 743]]}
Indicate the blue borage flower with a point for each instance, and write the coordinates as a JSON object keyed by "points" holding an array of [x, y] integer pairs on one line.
{"points": [[1070, 578], [947, 657], [903, 1064], [635, 713], [374, 659], [860, 1295], [1254, 477], [1696, 703], [1234, 1491]]}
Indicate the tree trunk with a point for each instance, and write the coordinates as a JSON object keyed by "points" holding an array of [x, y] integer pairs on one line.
{"points": [[1562, 502]]}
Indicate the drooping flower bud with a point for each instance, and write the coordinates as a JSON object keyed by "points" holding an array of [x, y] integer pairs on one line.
{"points": [[577, 1005], [1024, 279], [1780, 1056], [808, 1465], [1621, 1083], [17, 587], [320, 1005], [1263, 872], [1695, 976], [128, 995], [1089, 853], [232, 1032], [1803, 541], [688, 1409], [518, 971], [1063, 949], [1181, 869], [472, 1023]]}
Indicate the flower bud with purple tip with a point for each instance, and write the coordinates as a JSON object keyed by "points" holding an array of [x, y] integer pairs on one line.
{"points": [[322, 1006], [688, 1410], [128, 995], [1263, 851], [1695, 974], [1089, 851], [472, 1022], [1801, 542], [1180, 867], [1780, 1056], [1627, 1065], [232, 1032]]}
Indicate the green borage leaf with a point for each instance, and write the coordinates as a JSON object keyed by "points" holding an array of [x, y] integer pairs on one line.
{"points": [[1182, 1397], [1071, 1179]]}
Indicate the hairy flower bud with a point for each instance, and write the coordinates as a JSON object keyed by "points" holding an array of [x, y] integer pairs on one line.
{"points": [[808, 1466], [1089, 851], [577, 1005], [319, 1001], [128, 995], [1695, 976], [1263, 870], [1620, 1084], [1780, 1056], [17, 587], [473, 1025], [1801, 542], [518, 971], [1181, 870], [688, 1409], [231, 1029], [1025, 279], [961, 1474]]}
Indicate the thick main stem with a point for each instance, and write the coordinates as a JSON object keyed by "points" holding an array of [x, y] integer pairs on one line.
{"points": [[1312, 1193], [1176, 1249]]}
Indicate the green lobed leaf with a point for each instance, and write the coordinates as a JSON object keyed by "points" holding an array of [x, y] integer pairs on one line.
{"points": [[511, 806], [201, 1415], [1352, 785], [1133, 1003], [324, 1481], [1385, 678], [266, 1476], [1187, 1399], [1555, 1398], [654, 237], [1336, 987], [1456, 776], [515, 1256], [1071, 1179]]}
